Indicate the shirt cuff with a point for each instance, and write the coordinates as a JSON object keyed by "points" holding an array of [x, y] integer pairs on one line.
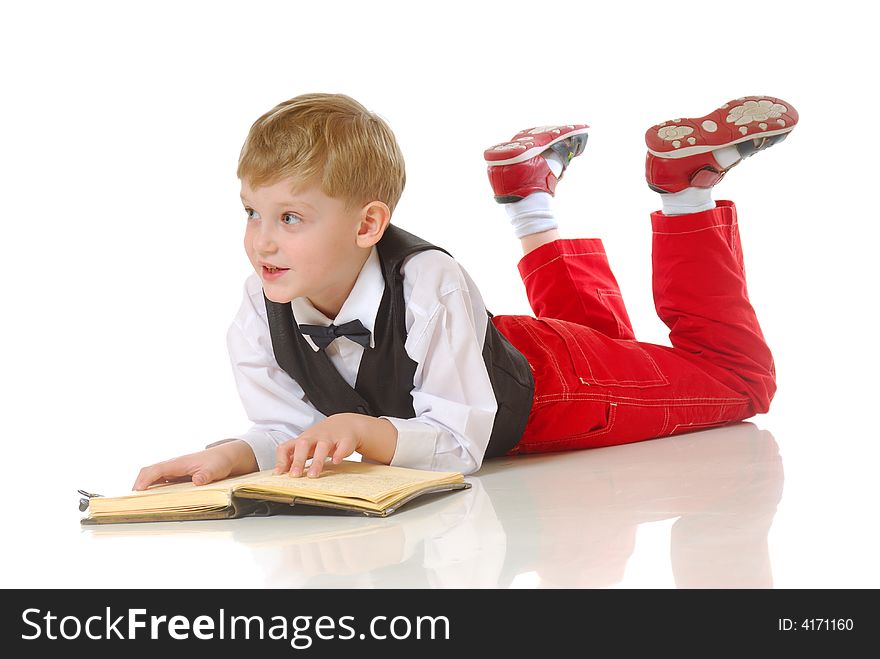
{"points": [[416, 442], [262, 442]]}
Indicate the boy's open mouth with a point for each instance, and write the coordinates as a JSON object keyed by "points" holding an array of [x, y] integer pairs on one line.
{"points": [[273, 271]]}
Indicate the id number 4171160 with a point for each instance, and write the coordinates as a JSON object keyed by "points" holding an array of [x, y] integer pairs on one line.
{"points": [[815, 624]]}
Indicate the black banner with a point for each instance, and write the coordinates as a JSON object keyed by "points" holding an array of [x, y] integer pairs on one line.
{"points": [[401, 622]]}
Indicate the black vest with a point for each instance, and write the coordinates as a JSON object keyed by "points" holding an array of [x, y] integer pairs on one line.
{"points": [[385, 377]]}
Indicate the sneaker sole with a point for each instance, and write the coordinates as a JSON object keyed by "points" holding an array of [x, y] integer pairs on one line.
{"points": [[528, 154], [742, 119]]}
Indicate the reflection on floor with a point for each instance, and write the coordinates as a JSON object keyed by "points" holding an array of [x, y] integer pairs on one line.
{"points": [[566, 520]]}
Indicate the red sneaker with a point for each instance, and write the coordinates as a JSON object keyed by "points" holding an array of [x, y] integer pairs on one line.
{"points": [[680, 150], [517, 169]]}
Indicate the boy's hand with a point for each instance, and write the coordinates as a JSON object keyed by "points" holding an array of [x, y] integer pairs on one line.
{"points": [[213, 464], [337, 436]]}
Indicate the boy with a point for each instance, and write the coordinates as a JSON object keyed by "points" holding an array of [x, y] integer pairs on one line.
{"points": [[355, 335]]}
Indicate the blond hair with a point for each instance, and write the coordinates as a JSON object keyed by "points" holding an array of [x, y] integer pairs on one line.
{"points": [[329, 139]]}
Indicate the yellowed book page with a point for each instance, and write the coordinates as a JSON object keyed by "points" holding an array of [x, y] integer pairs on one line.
{"points": [[171, 496], [154, 507], [350, 480], [180, 501]]}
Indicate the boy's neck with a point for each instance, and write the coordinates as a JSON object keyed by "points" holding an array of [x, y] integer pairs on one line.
{"points": [[330, 311], [331, 305]]}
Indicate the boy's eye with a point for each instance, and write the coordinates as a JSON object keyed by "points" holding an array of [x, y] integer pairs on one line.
{"points": [[289, 219]]}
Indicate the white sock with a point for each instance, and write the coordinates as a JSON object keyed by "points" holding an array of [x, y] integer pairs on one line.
{"points": [[532, 214], [726, 156], [689, 200], [694, 200], [554, 161]]}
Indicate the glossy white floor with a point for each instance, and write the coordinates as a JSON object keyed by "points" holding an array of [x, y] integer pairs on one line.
{"points": [[691, 511], [721, 508]]}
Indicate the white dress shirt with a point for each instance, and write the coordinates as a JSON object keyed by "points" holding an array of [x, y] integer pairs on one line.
{"points": [[446, 327]]}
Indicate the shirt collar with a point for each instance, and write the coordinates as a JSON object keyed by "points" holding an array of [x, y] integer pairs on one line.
{"points": [[361, 304]]}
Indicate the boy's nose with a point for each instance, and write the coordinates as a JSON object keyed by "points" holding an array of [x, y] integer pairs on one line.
{"points": [[264, 241]]}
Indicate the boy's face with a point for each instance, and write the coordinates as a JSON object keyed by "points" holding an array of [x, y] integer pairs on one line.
{"points": [[308, 234]]}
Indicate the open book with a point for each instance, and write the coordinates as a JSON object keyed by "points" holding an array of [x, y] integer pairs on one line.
{"points": [[370, 489]]}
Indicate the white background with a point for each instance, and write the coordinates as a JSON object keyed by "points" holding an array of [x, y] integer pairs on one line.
{"points": [[122, 263]]}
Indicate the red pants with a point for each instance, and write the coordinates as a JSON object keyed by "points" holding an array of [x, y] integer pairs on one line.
{"points": [[595, 385]]}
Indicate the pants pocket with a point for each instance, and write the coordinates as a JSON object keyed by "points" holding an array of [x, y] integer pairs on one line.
{"points": [[559, 429], [604, 361]]}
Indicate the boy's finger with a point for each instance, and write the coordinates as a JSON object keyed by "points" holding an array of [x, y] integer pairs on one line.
{"points": [[202, 477], [341, 452], [301, 452], [171, 470], [322, 450], [143, 482], [282, 457], [146, 477]]}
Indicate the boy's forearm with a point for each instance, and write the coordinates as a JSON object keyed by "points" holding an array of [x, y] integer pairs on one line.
{"points": [[378, 439]]}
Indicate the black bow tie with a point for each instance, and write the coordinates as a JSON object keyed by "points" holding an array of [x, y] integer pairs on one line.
{"points": [[324, 336]]}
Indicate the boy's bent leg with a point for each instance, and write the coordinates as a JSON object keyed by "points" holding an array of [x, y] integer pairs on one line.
{"points": [[571, 280], [567, 280], [592, 390], [700, 294]]}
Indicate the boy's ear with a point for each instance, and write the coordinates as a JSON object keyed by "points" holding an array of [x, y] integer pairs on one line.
{"points": [[375, 217]]}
